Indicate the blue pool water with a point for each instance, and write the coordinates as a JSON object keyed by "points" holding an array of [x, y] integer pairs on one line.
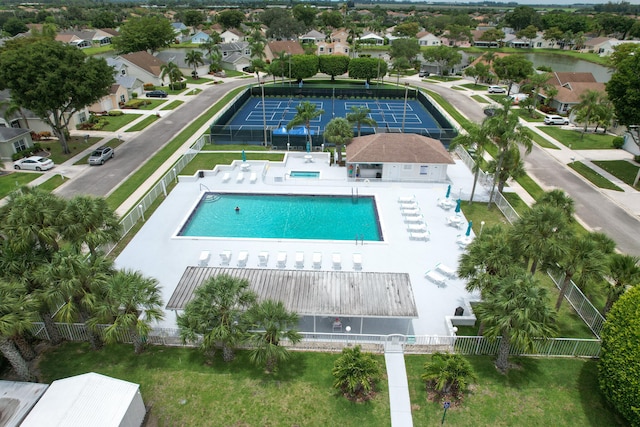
{"points": [[284, 217], [304, 174]]}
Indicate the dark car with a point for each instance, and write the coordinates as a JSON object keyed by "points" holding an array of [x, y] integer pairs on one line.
{"points": [[156, 94], [423, 74], [490, 111], [101, 155]]}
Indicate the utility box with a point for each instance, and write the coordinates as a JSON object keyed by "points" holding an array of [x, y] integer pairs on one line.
{"points": [[459, 311]]}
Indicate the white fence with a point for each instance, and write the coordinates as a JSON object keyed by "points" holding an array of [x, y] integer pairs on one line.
{"points": [[413, 344]]}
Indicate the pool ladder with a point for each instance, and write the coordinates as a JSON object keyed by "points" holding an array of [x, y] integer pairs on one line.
{"points": [[354, 194]]}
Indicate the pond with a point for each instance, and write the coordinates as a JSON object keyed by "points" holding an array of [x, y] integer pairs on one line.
{"points": [[562, 63]]}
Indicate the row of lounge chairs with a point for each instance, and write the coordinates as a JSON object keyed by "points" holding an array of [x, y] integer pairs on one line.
{"points": [[281, 259], [440, 274], [240, 177], [416, 225]]}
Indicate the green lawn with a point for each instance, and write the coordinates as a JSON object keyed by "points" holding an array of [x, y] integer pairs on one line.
{"points": [[152, 104], [516, 203], [116, 122], [542, 141], [194, 91], [173, 105], [480, 99], [622, 169], [525, 115], [531, 186], [575, 140], [230, 147], [461, 89], [143, 123], [207, 161], [76, 144], [554, 392], [14, 180], [445, 78], [474, 86], [496, 98], [594, 177], [184, 390], [453, 112], [90, 51], [52, 183], [113, 143]]}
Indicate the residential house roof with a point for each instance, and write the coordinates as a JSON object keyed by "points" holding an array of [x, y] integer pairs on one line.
{"points": [[291, 47], [397, 148], [570, 93], [313, 34], [560, 78], [7, 134], [596, 41], [146, 61]]}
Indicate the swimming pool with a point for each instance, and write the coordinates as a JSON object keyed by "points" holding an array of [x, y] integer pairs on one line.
{"points": [[272, 216], [304, 174]]}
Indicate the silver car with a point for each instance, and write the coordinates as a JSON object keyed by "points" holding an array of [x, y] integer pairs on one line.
{"points": [[34, 163], [101, 155]]}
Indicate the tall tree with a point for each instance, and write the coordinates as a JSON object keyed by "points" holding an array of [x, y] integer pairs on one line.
{"points": [[271, 323], [512, 168], [517, 313], [230, 18], [624, 89], [624, 272], [333, 65], [400, 65], [11, 108], [193, 58], [359, 116], [172, 71], [445, 57], [72, 81], [513, 69], [584, 110], [367, 68], [537, 82], [305, 113], [339, 132], [476, 139], [407, 48], [133, 302], [217, 313], [149, 33]]}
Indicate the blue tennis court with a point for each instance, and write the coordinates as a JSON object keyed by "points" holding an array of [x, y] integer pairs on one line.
{"points": [[278, 112]]}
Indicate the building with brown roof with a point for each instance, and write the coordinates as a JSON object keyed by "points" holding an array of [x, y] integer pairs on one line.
{"points": [[398, 157], [290, 47], [142, 65], [570, 86]]}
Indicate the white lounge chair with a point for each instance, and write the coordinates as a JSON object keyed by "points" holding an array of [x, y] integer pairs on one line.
{"points": [[446, 270], [413, 218], [436, 277], [421, 226], [282, 259], [406, 199], [455, 221], [243, 256], [203, 261], [225, 257], [253, 177], [226, 177], [240, 177], [410, 212], [263, 259], [425, 235], [317, 260], [336, 261], [446, 204], [299, 259], [411, 205], [357, 261]]}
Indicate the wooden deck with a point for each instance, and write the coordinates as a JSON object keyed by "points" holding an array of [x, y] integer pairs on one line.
{"points": [[314, 293]]}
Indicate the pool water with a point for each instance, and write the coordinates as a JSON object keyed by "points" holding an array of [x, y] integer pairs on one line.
{"points": [[304, 174], [284, 217]]}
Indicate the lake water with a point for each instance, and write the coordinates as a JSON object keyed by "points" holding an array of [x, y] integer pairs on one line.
{"points": [[561, 63]]}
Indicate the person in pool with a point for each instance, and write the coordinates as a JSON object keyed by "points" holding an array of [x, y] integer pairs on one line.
{"points": [[237, 209]]}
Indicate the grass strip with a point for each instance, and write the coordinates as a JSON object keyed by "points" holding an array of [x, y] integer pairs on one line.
{"points": [[594, 177], [536, 391], [576, 140], [480, 99], [516, 203], [76, 144], [185, 389], [531, 186], [542, 141], [52, 183], [473, 86], [116, 122], [173, 105], [624, 170], [143, 123], [449, 109], [140, 176], [10, 182]]}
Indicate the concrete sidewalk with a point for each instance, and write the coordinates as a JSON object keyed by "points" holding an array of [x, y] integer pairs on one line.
{"points": [[399, 399]]}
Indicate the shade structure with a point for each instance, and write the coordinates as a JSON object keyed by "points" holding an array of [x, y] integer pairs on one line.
{"points": [[469, 228], [458, 206], [448, 191], [244, 156]]}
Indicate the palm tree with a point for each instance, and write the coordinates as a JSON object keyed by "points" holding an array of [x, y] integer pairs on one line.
{"points": [[90, 221], [624, 272], [270, 323], [558, 199], [257, 42], [193, 58], [512, 167], [507, 132], [589, 101], [339, 132], [306, 112], [399, 65], [517, 313], [172, 71], [448, 373], [17, 312], [356, 374], [477, 139], [12, 107], [216, 313], [132, 303], [538, 82], [258, 65], [359, 116]]}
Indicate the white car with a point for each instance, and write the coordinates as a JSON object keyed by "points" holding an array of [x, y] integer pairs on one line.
{"points": [[34, 163], [555, 120], [496, 89]]}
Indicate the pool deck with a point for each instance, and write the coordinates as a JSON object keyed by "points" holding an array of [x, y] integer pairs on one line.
{"points": [[156, 252]]}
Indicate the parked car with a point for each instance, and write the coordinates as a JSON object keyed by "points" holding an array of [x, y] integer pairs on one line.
{"points": [[490, 111], [101, 155], [423, 74], [555, 120], [496, 89], [517, 97], [156, 94], [34, 163]]}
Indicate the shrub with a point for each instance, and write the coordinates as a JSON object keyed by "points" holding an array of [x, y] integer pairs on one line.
{"points": [[35, 136], [134, 95], [619, 367], [115, 113], [356, 374], [618, 142], [448, 375], [636, 159], [136, 103], [547, 109], [149, 86], [45, 135]]}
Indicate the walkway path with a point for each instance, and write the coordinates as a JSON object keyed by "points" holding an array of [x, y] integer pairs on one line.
{"points": [[399, 398]]}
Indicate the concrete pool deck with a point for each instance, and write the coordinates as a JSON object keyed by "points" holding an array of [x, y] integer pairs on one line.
{"points": [[156, 252]]}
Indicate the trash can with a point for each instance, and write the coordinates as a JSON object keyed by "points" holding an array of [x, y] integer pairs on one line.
{"points": [[459, 311], [200, 174]]}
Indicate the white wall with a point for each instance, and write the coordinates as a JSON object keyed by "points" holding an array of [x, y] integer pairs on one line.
{"points": [[414, 172]]}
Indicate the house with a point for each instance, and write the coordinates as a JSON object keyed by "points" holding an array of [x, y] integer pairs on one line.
{"points": [[131, 84], [289, 47], [312, 37], [371, 39], [478, 42], [86, 38], [235, 55], [337, 48], [180, 30], [339, 36], [232, 35], [398, 157], [13, 140], [540, 43], [425, 38], [570, 86], [179, 58], [117, 94], [596, 44], [607, 48], [200, 37], [73, 40], [141, 65]]}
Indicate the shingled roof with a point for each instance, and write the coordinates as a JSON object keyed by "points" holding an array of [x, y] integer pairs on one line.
{"points": [[397, 148], [146, 61]]}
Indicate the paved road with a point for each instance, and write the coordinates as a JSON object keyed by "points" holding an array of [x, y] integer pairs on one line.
{"points": [[100, 181]]}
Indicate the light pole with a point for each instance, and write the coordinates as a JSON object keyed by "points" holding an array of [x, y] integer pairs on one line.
{"points": [[264, 115], [289, 70], [481, 227], [378, 74], [406, 94]]}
